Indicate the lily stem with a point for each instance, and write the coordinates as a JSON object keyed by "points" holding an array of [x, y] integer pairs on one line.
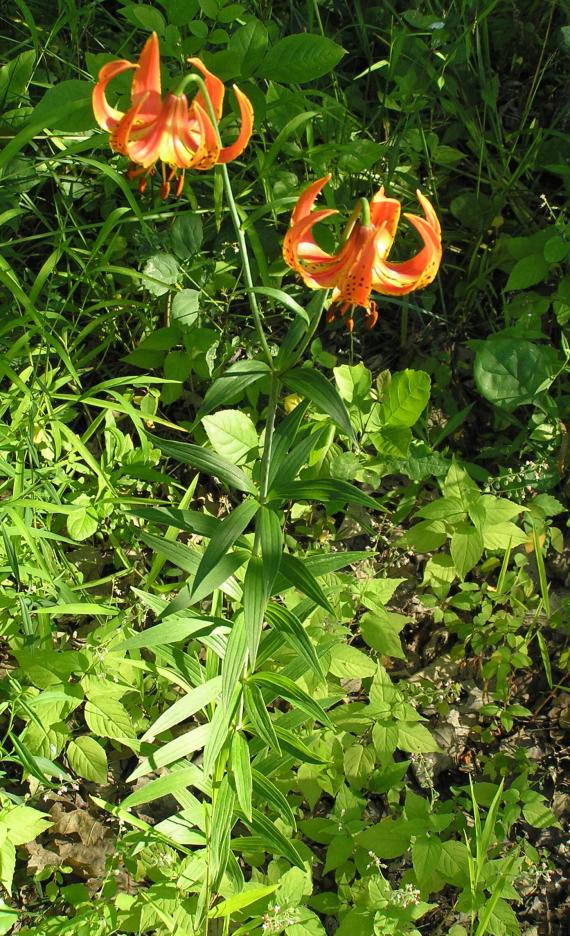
{"points": [[242, 244]]}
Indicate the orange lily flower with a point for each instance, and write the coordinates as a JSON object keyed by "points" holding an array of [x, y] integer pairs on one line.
{"points": [[179, 135], [360, 265]]}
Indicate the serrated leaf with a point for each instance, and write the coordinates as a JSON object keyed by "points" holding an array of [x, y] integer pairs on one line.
{"points": [[405, 398], [232, 435], [88, 759], [108, 718]]}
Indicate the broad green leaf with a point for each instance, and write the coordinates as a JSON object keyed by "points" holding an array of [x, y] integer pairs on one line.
{"points": [[439, 573], [205, 461], [466, 547], [231, 384], [7, 863], [22, 824], [392, 440], [510, 372], [350, 663], [381, 631], [389, 838], [194, 701], [14, 78], [186, 234], [503, 536], [66, 107], [88, 759], [232, 435], [528, 271], [300, 58], [229, 530], [184, 312], [358, 764], [415, 738], [405, 398], [426, 852], [325, 490], [354, 382], [160, 273], [313, 385], [108, 718], [248, 44]]}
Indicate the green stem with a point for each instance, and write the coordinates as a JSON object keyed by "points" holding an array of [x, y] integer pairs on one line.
{"points": [[253, 303], [268, 442]]}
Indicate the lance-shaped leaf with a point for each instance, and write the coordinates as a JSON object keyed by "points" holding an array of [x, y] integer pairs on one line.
{"points": [[221, 827], [277, 684], [325, 490], [254, 603], [234, 659], [289, 626], [312, 384], [297, 574], [294, 460], [231, 384], [227, 533], [275, 840], [205, 461], [242, 774], [284, 437], [261, 722], [271, 541]]}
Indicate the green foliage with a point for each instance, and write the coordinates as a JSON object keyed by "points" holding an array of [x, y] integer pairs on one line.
{"points": [[277, 613]]}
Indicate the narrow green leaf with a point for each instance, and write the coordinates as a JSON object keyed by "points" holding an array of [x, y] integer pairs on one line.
{"points": [[272, 795], [241, 769], [168, 785], [259, 717], [271, 542], [221, 826], [227, 533], [251, 894], [275, 839], [293, 461], [205, 461], [312, 384], [231, 384], [191, 521], [289, 690], [234, 659], [284, 437], [293, 745], [175, 629], [279, 295], [286, 623], [219, 731], [184, 708], [254, 604], [300, 576], [182, 746], [325, 490]]}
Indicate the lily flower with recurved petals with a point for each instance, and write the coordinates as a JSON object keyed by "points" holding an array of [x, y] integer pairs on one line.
{"points": [[360, 266], [171, 131]]}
